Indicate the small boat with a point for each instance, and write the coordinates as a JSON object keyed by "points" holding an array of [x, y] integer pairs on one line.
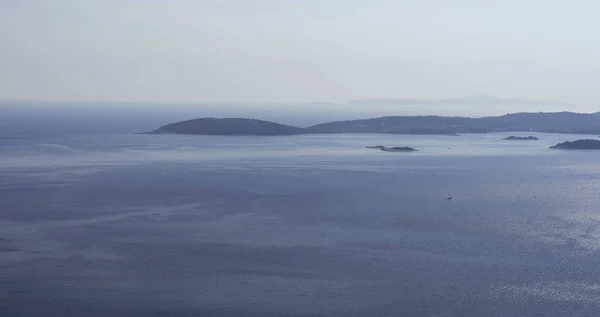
{"points": [[449, 197]]}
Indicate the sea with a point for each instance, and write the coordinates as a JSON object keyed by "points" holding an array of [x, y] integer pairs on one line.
{"points": [[113, 223]]}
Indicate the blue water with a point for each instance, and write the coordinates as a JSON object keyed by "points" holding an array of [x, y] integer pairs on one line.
{"points": [[115, 224]]}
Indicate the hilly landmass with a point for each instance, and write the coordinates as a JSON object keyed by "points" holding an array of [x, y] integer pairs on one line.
{"points": [[553, 122], [228, 126]]}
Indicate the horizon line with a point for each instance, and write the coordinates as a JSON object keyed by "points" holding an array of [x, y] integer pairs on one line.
{"points": [[224, 102]]}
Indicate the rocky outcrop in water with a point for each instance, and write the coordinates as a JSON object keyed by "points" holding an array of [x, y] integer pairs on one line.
{"points": [[392, 149], [521, 138]]}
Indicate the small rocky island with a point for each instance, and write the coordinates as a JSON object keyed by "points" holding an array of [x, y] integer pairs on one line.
{"points": [[586, 144], [392, 149], [521, 138]]}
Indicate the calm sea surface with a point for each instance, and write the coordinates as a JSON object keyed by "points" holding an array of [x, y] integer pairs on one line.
{"points": [[105, 224]]}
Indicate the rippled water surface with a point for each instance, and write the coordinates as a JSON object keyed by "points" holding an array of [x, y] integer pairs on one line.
{"points": [[160, 225]]}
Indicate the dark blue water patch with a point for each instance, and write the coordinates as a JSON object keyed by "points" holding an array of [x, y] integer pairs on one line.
{"points": [[7, 245], [309, 235]]}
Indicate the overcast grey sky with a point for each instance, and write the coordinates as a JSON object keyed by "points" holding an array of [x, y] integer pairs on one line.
{"points": [[298, 50]]}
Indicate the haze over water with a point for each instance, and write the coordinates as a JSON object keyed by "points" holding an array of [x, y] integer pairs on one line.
{"points": [[98, 221], [115, 224]]}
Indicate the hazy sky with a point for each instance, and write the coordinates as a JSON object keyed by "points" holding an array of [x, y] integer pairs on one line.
{"points": [[298, 50]]}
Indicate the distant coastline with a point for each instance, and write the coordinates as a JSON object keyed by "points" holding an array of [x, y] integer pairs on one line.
{"points": [[552, 122]]}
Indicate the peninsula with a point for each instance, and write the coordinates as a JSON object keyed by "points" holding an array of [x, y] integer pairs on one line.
{"points": [[550, 122], [586, 144]]}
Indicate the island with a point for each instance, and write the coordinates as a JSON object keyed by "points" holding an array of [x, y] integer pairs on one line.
{"points": [[392, 149], [229, 126], [521, 138], [586, 144], [398, 149]]}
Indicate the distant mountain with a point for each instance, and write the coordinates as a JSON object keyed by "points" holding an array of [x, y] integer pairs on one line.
{"points": [[476, 99], [228, 126]]}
